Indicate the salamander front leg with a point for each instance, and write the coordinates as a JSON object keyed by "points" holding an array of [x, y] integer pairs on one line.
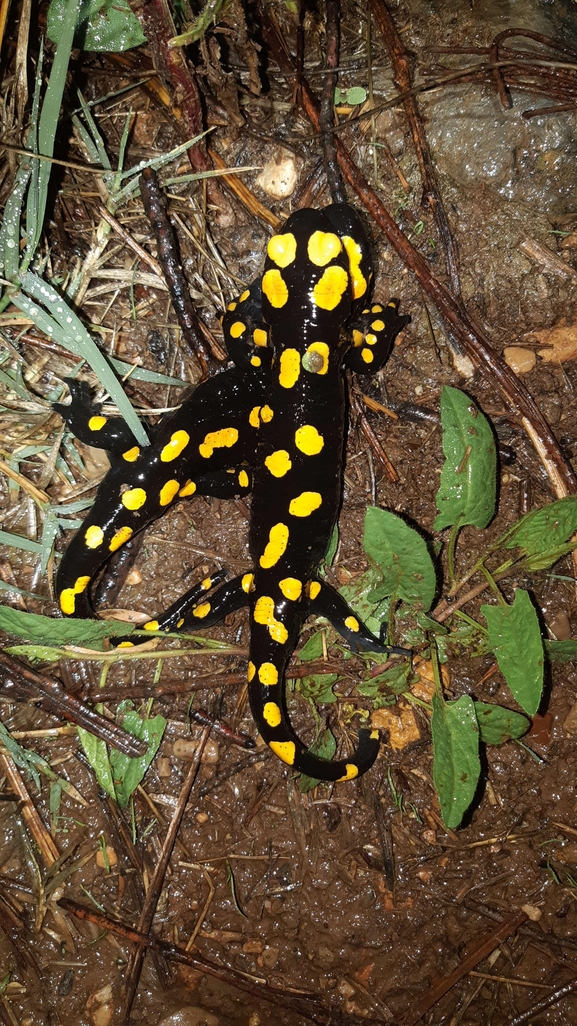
{"points": [[374, 332], [85, 419]]}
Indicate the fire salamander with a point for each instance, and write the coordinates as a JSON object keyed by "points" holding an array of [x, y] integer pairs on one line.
{"points": [[273, 423]]}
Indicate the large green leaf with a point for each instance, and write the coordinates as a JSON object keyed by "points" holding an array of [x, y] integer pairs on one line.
{"points": [[498, 724], [401, 555], [44, 630], [544, 534], [103, 25], [117, 773], [515, 638], [468, 487], [456, 763]]}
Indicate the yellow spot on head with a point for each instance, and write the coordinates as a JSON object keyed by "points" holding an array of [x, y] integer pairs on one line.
{"points": [[282, 249], [275, 288], [278, 463], [266, 414], [352, 623], [268, 674], [358, 337], [120, 538], [367, 355], [125, 644], [243, 479], [178, 441], [255, 361], [168, 492], [131, 454], [222, 439], [290, 366], [355, 255], [305, 504], [259, 337], [94, 536], [313, 589], [264, 611], [188, 488], [231, 307], [329, 289], [237, 329], [250, 671], [68, 595], [323, 247], [201, 611], [134, 498], [316, 358], [286, 751], [96, 423], [244, 296], [247, 583], [152, 625], [291, 588], [272, 714], [206, 584], [351, 773], [254, 417], [275, 547], [378, 325], [309, 440]]}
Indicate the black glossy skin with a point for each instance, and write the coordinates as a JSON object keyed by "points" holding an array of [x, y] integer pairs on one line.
{"points": [[279, 418]]}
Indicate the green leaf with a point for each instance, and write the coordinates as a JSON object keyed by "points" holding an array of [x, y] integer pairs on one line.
{"points": [[325, 747], [356, 95], [468, 487], [18, 542], [318, 687], [129, 772], [515, 638], [543, 533], [96, 752], [43, 630], [456, 763], [105, 26], [402, 556], [561, 651], [312, 649], [498, 724], [383, 688]]}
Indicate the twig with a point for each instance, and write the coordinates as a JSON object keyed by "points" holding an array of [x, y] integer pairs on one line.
{"points": [[30, 814]]}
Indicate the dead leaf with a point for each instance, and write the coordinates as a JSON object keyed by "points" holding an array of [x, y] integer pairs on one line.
{"points": [[562, 340], [400, 723]]}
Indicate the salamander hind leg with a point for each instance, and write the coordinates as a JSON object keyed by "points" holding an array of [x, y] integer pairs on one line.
{"points": [[85, 419], [326, 601], [373, 334]]}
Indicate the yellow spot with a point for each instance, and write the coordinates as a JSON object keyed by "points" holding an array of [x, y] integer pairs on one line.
{"points": [[259, 337], [120, 538], [321, 350], [323, 247], [290, 366], [125, 644], [231, 307], [282, 249], [313, 589], [152, 625], [201, 611], [358, 337], [309, 440], [131, 454], [188, 488], [367, 355], [264, 611], [244, 296], [68, 596], [268, 674], [96, 423], [237, 329], [272, 714], [286, 751], [291, 588], [178, 441], [255, 361], [250, 671], [329, 289], [243, 479], [180, 622], [134, 498], [371, 340], [253, 417], [275, 547], [352, 623], [305, 504], [374, 735], [352, 772], [168, 492], [377, 308], [94, 537], [206, 584], [266, 414], [355, 255], [378, 325], [278, 463], [222, 439], [275, 288], [247, 583]]}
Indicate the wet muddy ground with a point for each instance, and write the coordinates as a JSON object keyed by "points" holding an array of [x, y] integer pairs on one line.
{"points": [[355, 894]]}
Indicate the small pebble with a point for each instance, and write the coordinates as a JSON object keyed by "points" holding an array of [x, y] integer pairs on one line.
{"points": [[186, 748], [108, 859], [532, 912], [519, 360], [278, 177]]}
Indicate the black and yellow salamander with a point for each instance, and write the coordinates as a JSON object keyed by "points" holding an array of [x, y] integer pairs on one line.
{"points": [[273, 423]]}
